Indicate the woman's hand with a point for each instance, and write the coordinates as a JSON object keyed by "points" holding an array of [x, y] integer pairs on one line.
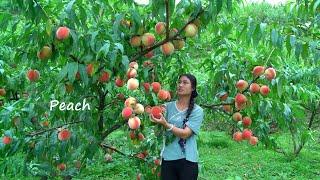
{"points": [[161, 120]]}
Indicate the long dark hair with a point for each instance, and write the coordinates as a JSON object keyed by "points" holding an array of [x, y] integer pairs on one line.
{"points": [[194, 93]]}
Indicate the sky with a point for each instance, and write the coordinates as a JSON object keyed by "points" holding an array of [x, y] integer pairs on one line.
{"points": [[273, 2]]}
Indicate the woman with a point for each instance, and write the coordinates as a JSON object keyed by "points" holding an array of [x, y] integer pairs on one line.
{"points": [[183, 119]]}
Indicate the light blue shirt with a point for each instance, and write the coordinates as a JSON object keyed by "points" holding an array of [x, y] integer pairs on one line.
{"points": [[174, 116]]}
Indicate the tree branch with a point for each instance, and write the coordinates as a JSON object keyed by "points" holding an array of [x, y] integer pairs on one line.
{"points": [[167, 19]]}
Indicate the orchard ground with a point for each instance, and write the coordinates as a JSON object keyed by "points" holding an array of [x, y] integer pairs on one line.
{"points": [[220, 158]]}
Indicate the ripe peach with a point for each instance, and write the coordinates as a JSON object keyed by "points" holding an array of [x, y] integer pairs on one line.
{"points": [[45, 123], [44, 53], [253, 140], [178, 44], [33, 75], [160, 28], [134, 65], [246, 134], [141, 155], [149, 55], [121, 96], [62, 33], [138, 109], [132, 135], [242, 85], [167, 48], [132, 84], [131, 73], [156, 111], [147, 64], [6, 140], [223, 96], [130, 102], [148, 109], [246, 121], [146, 87], [156, 86], [69, 87], [240, 99], [191, 30], [119, 82], [90, 68], [264, 90], [134, 123], [61, 166], [148, 39], [135, 41], [2, 92], [173, 32], [140, 136], [64, 135], [127, 112], [237, 136], [257, 71], [104, 77], [227, 108], [240, 106], [237, 116], [254, 88], [270, 73], [162, 94], [157, 162]]}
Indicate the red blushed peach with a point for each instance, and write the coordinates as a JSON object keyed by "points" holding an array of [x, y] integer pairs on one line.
{"points": [[254, 88], [135, 41], [90, 69], [132, 135], [148, 39], [134, 123], [131, 73], [246, 134], [2, 92], [264, 90], [6, 140], [62, 166], [33, 75], [240, 98], [134, 65], [132, 84], [253, 140], [167, 48], [146, 87], [246, 121], [130, 102], [64, 135], [62, 33], [149, 55], [156, 111], [119, 82], [242, 85], [156, 86], [270, 73], [44, 53], [140, 136], [237, 136], [191, 30], [258, 71], [160, 28], [162, 94], [237, 116], [138, 109], [227, 108], [127, 112], [104, 77]]}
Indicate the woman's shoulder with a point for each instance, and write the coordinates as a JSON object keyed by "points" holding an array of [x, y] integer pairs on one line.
{"points": [[197, 108]]}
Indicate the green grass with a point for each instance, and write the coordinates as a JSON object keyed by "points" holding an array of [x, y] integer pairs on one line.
{"points": [[221, 158]]}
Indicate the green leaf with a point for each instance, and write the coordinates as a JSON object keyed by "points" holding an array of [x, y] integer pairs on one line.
{"points": [[72, 71], [119, 46], [63, 73], [103, 51], [93, 41], [274, 36], [287, 111], [218, 5]]}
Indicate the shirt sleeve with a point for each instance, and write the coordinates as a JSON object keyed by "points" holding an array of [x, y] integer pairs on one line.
{"points": [[195, 120]]}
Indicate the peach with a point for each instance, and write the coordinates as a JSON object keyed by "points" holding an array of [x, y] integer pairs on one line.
{"points": [[138, 109], [246, 121], [156, 86], [157, 162], [146, 87], [257, 71], [121, 96], [169, 96], [148, 109], [253, 140], [134, 65], [160, 28], [223, 96], [148, 39], [69, 87], [264, 90], [149, 55], [167, 48], [132, 84], [227, 108], [61, 166], [147, 64], [119, 82], [240, 106], [178, 44], [134, 123], [254, 88], [191, 30], [127, 112], [6, 140], [45, 123], [131, 73], [156, 111], [132, 135], [33, 75], [240, 99], [135, 41], [173, 32], [237, 136], [270, 73], [162, 94], [242, 85], [44, 53], [2, 92], [104, 77], [237, 116], [130, 102], [90, 68], [140, 136], [246, 134], [62, 33], [64, 135]]}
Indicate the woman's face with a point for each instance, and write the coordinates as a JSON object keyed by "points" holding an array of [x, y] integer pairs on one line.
{"points": [[184, 87]]}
